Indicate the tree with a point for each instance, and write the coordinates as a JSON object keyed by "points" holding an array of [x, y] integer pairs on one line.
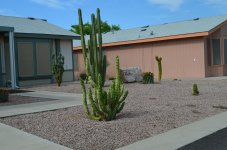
{"points": [[105, 27]]}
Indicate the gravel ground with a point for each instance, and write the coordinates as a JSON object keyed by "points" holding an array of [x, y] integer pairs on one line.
{"points": [[150, 110], [69, 87], [16, 100]]}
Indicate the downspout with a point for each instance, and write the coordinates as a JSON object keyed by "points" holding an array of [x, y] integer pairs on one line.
{"points": [[12, 60]]}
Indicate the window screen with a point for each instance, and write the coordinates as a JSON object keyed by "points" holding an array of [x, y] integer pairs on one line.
{"points": [[216, 51], [43, 58], [75, 61], [225, 50], [25, 59]]}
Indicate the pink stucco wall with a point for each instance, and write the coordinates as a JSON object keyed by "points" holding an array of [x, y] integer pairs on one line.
{"points": [[183, 58]]}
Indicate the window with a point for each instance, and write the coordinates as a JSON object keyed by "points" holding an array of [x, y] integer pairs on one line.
{"points": [[216, 51], [25, 59], [225, 50], [75, 61], [34, 58], [43, 58]]}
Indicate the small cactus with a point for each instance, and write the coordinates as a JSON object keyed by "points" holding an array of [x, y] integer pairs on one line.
{"points": [[195, 90], [159, 61], [148, 78]]}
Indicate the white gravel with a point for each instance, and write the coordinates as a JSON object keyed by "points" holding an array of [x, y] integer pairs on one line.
{"points": [[150, 110]]}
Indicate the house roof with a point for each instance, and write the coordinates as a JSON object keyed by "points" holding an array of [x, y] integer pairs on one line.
{"points": [[34, 26], [197, 25]]}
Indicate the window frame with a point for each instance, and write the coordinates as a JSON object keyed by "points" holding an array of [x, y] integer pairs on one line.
{"points": [[35, 75], [212, 52]]}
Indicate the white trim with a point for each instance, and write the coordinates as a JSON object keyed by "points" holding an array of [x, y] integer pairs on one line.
{"points": [[12, 60], [2, 56]]}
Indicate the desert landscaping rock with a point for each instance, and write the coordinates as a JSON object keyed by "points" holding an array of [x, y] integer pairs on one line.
{"points": [[150, 110], [132, 74]]}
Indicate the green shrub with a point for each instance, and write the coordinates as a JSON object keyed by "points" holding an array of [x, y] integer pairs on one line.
{"points": [[148, 78], [195, 90], [4, 95], [105, 105], [58, 68]]}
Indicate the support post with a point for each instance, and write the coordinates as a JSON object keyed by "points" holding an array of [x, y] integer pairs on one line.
{"points": [[12, 60]]}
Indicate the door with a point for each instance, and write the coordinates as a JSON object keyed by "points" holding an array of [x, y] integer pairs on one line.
{"points": [[1, 80]]}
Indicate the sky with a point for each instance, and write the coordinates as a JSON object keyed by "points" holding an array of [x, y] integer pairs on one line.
{"points": [[126, 13]]}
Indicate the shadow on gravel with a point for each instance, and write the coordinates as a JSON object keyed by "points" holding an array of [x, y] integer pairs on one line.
{"points": [[215, 141], [135, 114]]}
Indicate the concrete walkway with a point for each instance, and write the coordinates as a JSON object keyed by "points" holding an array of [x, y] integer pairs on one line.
{"points": [[15, 139], [64, 100], [182, 136]]}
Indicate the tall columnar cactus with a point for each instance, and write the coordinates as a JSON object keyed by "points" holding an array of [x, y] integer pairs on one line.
{"points": [[104, 105], [159, 61], [58, 68], [93, 53]]}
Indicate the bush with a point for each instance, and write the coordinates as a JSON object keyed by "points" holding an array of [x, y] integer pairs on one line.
{"points": [[4, 95], [148, 78], [195, 90]]}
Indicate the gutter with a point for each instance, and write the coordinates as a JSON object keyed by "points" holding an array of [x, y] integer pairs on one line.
{"points": [[165, 38]]}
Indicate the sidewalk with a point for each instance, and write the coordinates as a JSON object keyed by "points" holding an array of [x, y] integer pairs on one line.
{"points": [[15, 139], [176, 138]]}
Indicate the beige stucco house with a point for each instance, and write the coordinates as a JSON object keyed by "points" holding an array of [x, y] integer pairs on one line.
{"points": [[26, 46], [194, 48]]}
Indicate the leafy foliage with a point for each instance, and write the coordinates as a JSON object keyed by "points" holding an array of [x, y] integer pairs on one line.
{"points": [[58, 68], [195, 90], [105, 27], [105, 105], [148, 78]]}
